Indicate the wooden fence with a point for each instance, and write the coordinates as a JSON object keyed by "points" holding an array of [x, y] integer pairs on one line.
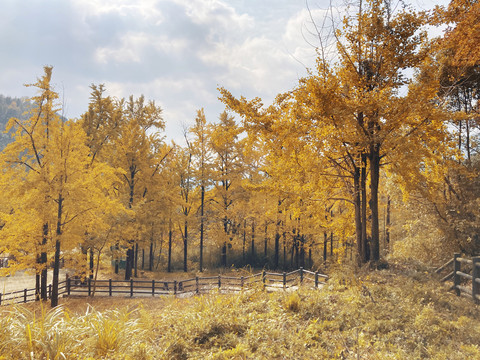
{"points": [[137, 288], [29, 295], [465, 276]]}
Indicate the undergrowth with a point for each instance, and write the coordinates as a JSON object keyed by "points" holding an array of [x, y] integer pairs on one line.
{"points": [[387, 314]]}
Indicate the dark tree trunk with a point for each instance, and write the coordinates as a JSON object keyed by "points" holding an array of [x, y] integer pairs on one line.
{"points": [[387, 231], [363, 186], [56, 263], [185, 246], [91, 263], [169, 261], [43, 260], [277, 249], [135, 260], [244, 242], [224, 254], [202, 209], [150, 262], [374, 181], [253, 244], [325, 242], [265, 243], [143, 259], [128, 263], [302, 251], [358, 216]]}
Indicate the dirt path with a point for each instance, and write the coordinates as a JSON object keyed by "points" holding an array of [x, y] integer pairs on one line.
{"points": [[21, 281]]}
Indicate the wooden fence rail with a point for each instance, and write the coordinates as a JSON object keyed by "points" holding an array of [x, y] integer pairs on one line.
{"points": [[73, 286], [466, 278]]}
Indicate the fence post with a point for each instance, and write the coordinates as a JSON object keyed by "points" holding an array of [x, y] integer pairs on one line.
{"points": [[284, 280], [89, 280], [316, 279], [196, 285], [25, 295], [110, 287], [219, 281], [68, 285], [264, 278], [456, 278], [475, 275], [0, 298], [131, 287], [153, 287], [301, 275], [50, 291], [241, 282], [175, 287]]}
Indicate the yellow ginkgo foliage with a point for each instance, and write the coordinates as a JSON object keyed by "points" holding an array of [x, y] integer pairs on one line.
{"points": [[54, 191]]}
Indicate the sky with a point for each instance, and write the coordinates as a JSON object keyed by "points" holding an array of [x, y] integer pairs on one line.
{"points": [[175, 52]]}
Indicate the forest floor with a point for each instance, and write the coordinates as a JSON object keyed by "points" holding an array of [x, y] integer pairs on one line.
{"points": [[399, 313]]}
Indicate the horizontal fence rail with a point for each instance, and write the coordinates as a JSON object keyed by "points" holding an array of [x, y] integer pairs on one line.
{"points": [[466, 276], [74, 286]]}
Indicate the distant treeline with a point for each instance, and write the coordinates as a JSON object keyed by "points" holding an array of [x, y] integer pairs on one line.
{"points": [[10, 107]]}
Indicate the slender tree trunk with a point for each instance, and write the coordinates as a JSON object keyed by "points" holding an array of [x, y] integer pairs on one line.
{"points": [[202, 209], [56, 264], [169, 261], [185, 246], [277, 248], [253, 244], [302, 251], [135, 260], [358, 216], [265, 243], [310, 261], [224, 254], [331, 245], [143, 258], [363, 186], [43, 260], [244, 242], [374, 182], [387, 232], [284, 251], [150, 263], [325, 242], [91, 263]]}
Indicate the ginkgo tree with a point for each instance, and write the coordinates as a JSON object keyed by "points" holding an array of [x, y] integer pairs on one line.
{"points": [[56, 191], [354, 115]]}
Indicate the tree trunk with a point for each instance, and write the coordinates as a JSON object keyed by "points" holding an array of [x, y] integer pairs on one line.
{"points": [[325, 242], [357, 199], [150, 262], [277, 248], [363, 186], [169, 262], [253, 244], [43, 260], [91, 263], [202, 209], [387, 231], [185, 246], [244, 242], [135, 260], [224, 254], [56, 264], [374, 182], [265, 244]]}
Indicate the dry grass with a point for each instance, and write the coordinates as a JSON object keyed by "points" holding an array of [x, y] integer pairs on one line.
{"points": [[396, 314]]}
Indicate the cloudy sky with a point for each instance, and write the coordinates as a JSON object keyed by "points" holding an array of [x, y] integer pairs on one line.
{"points": [[176, 52]]}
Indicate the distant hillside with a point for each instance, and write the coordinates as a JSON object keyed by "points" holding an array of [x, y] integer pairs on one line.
{"points": [[10, 107]]}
